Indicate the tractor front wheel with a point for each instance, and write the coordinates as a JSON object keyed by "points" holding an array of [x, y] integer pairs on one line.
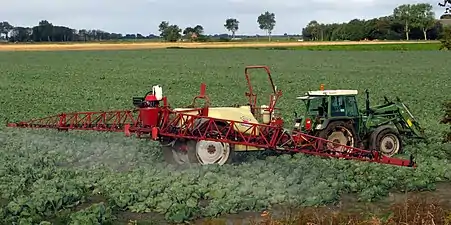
{"points": [[388, 142]]}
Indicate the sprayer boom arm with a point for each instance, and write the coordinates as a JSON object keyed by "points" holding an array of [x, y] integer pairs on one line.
{"points": [[183, 125], [113, 121]]}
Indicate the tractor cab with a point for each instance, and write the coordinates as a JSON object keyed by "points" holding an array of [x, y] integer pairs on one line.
{"points": [[323, 106]]}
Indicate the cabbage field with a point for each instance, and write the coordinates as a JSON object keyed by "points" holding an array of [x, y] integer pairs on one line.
{"points": [[51, 177]]}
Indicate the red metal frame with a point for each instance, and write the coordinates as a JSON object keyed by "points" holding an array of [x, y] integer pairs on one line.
{"points": [[99, 121], [265, 136], [161, 122], [174, 124], [273, 98]]}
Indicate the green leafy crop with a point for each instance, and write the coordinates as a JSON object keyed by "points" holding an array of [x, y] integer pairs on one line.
{"points": [[447, 120], [91, 178]]}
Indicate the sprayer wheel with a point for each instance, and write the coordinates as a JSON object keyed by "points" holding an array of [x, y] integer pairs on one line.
{"points": [[211, 152]]}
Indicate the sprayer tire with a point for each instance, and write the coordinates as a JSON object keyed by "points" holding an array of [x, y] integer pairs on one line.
{"points": [[194, 148]]}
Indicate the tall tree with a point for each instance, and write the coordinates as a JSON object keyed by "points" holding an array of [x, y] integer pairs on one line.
{"points": [[193, 32], [83, 33], [162, 27], [267, 21], [43, 32], [199, 30], [5, 28], [20, 34], [312, 31], [425, 17], [232, 25], [188, 32], [405, 14], [2, 29], [169, 32]]}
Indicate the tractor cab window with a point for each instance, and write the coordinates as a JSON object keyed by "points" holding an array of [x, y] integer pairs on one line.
{"points": [[338, 106], [351, 107], [344, 106], [317, 106]]}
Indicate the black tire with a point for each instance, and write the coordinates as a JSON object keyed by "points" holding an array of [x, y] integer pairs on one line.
{"points": [[336, 126], [385, 139]]}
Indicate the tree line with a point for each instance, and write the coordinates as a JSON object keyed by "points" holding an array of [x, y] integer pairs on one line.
{"points": [[407, 21], [47, 32]]}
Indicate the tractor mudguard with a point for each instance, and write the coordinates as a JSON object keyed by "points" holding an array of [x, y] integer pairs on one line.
{"points": [[326, 123], [374, 134]]}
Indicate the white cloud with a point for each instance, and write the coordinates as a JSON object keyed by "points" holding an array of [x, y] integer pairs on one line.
{"points": [[143, 16]]}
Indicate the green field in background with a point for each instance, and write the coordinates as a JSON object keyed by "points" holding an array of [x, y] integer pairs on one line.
{"points": [[70, 177]]}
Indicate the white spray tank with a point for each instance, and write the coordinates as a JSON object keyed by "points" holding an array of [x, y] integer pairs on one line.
{"points": [[266, 116], [157, 91]]}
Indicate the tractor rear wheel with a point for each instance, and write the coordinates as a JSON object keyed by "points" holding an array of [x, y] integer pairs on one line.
{"points": [[387, 141], [340, 133]]}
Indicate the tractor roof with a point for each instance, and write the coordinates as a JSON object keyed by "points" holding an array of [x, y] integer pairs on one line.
{"points": [[312, 94]]}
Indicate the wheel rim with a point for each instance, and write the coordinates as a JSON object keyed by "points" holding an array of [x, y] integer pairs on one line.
{"points": [[389, 145], [211, 152], [342, 136]]}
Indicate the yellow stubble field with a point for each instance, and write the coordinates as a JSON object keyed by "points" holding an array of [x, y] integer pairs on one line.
{"points": [[159, 45]]}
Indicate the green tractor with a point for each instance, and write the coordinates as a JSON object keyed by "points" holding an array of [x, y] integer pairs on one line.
{"points": [[334, 115]]}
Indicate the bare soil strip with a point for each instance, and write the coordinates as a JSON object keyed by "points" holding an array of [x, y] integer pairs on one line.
{"points": [[157, 45]]}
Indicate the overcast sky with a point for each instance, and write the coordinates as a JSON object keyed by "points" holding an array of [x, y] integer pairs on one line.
{"points": [[144, 16]]}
